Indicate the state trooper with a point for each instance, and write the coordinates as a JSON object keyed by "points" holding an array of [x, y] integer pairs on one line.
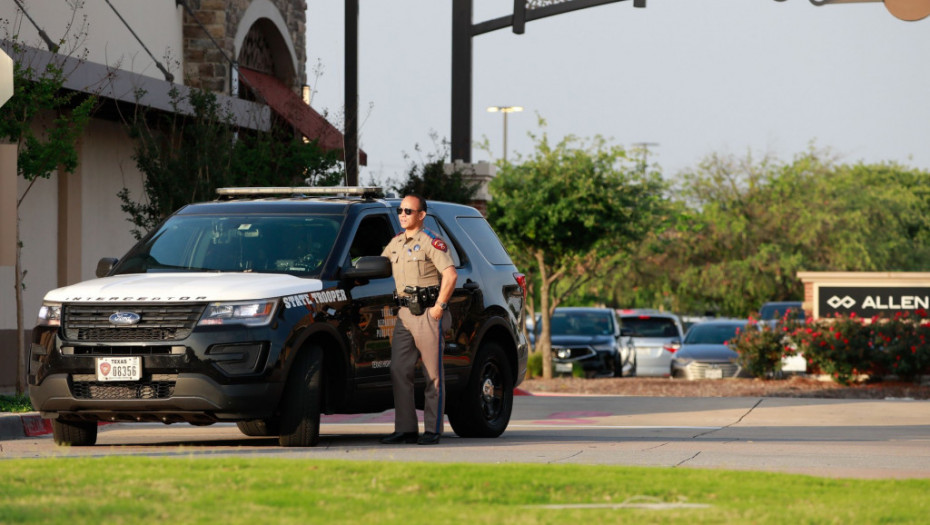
{"points": [[424, 278]]}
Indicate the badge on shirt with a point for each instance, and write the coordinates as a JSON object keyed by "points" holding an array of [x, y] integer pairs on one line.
{"points": [[439, 245]]}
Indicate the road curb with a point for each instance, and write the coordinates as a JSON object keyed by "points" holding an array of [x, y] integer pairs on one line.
{"points": [[28, 424]]}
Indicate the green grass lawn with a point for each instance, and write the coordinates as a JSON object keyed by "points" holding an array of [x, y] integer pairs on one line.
{"points": [[119, 489]]}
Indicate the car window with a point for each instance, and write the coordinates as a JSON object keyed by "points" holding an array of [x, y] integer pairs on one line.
{"points": [[430, 223], [777, 311], [296, 244], [582, 323], [480, 232], [373, 234], [711, 334], [646, 326]]}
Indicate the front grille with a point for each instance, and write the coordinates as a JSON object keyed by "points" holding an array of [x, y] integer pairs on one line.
{"points": [[158, 322], [124, 350], [160, 386], [700, 370]]}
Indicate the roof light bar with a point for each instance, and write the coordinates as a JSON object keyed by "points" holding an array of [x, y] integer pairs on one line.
{"points": [[361, 191]]}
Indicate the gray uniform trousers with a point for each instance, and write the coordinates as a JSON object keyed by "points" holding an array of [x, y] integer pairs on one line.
{"points": [[418, 336]]}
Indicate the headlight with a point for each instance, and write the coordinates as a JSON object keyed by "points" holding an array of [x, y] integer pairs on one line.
{"points": [[253, 313], [49, 315], [563, 353]]}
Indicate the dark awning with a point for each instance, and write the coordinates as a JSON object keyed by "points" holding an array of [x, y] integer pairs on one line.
{"points": [[292, 108]]}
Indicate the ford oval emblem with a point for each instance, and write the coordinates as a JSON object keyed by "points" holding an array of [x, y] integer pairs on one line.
{"points": [[125, 319]]}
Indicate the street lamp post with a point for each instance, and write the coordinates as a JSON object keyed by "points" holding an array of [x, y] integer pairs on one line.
{"points": [[505, 110]]}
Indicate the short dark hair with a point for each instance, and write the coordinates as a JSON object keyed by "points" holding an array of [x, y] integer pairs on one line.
{"points": [[420, 199]]}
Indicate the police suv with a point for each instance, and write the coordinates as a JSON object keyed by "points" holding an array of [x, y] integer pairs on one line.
{"points": [[269, 307]]}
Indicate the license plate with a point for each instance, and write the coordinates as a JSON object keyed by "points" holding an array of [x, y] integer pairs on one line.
{"points": [[563, 367], [119, 368], [714, 373]]}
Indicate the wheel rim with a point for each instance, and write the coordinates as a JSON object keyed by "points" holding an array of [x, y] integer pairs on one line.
{"points": [[492, 391]]}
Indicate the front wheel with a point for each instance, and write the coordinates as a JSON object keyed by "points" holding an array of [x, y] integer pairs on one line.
{"points": [[302, 401], [259, 427], [74, 433], [487, 401]]}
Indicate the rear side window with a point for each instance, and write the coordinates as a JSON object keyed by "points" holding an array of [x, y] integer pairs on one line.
{"points": [[645, 326], [480, 232]]}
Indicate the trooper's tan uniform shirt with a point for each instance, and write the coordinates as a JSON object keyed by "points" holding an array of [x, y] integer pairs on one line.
{"points": [[417, 261]]}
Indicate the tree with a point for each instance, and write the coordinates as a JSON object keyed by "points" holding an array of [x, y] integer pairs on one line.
{"points": [[45, 122], [431, 181], [186, 157], [745, 227], [574, 209]]}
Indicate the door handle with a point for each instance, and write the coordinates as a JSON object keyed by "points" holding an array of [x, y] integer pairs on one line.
{"points": [[471, 286]]}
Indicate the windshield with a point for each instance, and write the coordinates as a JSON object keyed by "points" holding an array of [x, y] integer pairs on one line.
{"points": [[295, 244], [711, 333], [645, 326], [582, 323]]}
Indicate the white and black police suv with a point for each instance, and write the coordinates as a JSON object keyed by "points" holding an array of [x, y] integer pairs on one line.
{"points": [[269, 307]]}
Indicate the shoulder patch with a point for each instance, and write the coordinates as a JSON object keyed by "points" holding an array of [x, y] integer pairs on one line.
{"points": [[439, 244]]}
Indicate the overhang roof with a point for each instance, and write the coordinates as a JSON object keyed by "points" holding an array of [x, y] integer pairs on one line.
{"points": [[295, 111]]}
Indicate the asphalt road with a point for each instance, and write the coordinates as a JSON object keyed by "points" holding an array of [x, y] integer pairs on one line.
{"points": [[822, 437]]}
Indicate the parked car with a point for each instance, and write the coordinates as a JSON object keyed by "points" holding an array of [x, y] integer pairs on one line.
{"points": [[267, 308], [593, 338], [704, 354], [656, 336], [771, 313]]}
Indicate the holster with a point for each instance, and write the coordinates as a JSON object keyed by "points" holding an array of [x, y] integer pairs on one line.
{"points": [[419, 298]]}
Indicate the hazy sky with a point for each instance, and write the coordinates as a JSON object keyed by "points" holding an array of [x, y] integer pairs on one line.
{"points": [[693, 76]]}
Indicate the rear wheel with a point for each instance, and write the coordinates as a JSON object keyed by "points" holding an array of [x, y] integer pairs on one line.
{"points": [[487, 401], [74, 433], [259, 427], [302, 401]]}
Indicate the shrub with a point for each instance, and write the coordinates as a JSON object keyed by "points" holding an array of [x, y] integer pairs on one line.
{"points": [[762, 345], [841, 347], [760, 349], [902, 344], [534, 365]]}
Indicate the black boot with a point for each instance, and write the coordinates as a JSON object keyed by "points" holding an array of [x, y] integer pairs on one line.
{"points": [[399, 437], [428, 438]]}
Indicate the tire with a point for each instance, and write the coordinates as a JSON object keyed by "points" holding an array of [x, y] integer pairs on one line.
{"points": [[487, 401], [259, 427], [302, 401], [74, 433]]}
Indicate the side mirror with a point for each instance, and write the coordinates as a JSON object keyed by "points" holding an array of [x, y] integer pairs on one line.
{"points": [[105, 265], [371, 267]]}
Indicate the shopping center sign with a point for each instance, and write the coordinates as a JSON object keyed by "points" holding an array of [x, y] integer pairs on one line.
{"points": [[868, 301]]}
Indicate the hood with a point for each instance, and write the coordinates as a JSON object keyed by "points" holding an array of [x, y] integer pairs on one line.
{"points": [[183, 287], [581, 340], [706, 352]]}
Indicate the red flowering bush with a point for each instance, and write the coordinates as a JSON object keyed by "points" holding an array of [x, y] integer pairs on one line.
{"points": [[841, 347], [903, 342], [761, 346]]}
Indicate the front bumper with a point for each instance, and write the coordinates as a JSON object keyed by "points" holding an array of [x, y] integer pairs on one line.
{"points": [[215, 374]]}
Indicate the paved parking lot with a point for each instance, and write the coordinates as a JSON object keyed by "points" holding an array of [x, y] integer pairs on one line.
{"points": [[823, 437]]}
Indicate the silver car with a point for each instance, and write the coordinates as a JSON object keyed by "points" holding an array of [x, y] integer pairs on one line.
{"points": [[656, 336], [704, 354]]}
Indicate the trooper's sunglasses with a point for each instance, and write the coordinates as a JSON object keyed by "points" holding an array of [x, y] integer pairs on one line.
{"points": [[406, 211]]}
